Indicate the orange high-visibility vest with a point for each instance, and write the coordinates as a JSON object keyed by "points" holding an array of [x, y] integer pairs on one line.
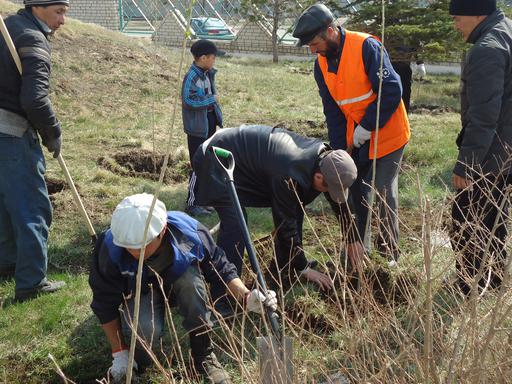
{"points": [[352, 91]]}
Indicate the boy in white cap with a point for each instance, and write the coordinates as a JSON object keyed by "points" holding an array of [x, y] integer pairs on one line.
{"points": [[181, 251]]}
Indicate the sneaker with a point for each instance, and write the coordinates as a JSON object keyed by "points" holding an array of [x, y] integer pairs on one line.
{"points": [[7, 271], [195, 210], [211, 370], [46, 287]]}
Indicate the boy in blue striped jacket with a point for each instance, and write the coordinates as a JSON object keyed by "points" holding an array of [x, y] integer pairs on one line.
{"points": [[200, 109]]}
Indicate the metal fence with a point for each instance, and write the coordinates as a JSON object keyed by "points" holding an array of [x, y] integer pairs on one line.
{"points": [[143, 17]]}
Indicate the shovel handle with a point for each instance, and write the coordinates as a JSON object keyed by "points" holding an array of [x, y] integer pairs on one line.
{"points": [[228, 155], [221, 152], [225, 154]]}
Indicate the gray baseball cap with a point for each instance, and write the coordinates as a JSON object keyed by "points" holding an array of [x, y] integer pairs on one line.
{"points": [[340, 172]]}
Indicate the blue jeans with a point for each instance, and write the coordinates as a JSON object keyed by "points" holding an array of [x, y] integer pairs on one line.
{"points": [[188, 293], [25, 209]]}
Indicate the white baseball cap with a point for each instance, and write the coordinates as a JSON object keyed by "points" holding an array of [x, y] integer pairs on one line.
{"points": [[129, 220]]}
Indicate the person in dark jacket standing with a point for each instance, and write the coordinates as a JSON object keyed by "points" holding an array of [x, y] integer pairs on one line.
{"points": [[180, 251], [347, 72], [482, 172], [25, 112], [279, 169], [200, 109]]}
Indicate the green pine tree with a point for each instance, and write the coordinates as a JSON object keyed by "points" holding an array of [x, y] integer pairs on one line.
{"points": [[413, 29]]}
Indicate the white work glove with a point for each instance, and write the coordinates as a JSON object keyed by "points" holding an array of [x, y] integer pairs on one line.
{"points": [[421, 71], [361, 136], [120, 366], [255, 299]]}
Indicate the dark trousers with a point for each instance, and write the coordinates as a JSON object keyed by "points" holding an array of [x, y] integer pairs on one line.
{"points": [[189, 294], [386, 201], [403, 68], [195, 142], [479, 231], [230, 239]]}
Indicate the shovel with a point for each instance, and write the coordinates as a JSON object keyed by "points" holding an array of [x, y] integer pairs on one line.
{"points": [[275, 355]]}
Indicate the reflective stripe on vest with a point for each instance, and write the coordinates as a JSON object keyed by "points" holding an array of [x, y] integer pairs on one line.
{"points": [[352, 91], [355, 99]]}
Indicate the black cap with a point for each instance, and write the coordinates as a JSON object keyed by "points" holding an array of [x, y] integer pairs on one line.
{"points": [[313, 20], [203, 47], [35, 3], [472, 7]]}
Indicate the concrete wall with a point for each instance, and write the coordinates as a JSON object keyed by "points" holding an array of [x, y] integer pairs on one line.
{"points": [[253, 37], [170, 32], [101, 12]]}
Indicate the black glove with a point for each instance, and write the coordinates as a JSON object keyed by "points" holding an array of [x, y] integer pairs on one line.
{"points": [[53, 146]]}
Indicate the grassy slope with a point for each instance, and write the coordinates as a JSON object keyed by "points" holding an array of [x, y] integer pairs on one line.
{"points": [[112, 94]]}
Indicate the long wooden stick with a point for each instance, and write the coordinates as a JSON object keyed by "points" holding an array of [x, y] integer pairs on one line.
{"points": [[138, 280], [76, 196]]}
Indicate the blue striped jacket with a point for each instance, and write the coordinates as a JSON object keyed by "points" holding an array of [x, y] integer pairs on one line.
{"points": [[195, 102]]}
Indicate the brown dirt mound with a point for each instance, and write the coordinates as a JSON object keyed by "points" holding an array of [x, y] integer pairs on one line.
{"points": [[385, 287], [145, 164], [302, 315], [54, 185], [424, 109], [310, 128]]}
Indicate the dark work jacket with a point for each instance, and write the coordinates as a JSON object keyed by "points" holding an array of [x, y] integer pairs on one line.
{"points": [[27, 95], [273, 168], [485, 142], [113, 270]]}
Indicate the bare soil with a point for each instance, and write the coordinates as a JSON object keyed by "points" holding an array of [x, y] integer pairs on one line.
{"points": [[309, 128], [54, 185], [425, 109], [145, 164]]}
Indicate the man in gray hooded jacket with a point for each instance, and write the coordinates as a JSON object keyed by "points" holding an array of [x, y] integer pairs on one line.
{"points": [[482, 172]]}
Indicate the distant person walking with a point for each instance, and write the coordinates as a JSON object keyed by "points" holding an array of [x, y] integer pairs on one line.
{"points": [[200, 110], [25, 112], [347, 74], [482, 172]]}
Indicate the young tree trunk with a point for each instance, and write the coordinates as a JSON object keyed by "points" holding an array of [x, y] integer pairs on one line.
{"points": [[275, 27]]}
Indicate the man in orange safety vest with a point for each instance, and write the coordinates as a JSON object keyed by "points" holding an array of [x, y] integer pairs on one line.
{"points": [[347, 72]]}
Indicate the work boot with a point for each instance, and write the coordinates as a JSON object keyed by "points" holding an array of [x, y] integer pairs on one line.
{"points": [[211, 370], [7, 271], [205, 361], [45, 287]]}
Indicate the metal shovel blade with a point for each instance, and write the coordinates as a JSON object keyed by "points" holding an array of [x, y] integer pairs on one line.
{"points": [[275, 360]]}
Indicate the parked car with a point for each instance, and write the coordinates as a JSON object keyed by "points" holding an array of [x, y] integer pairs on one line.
{"points": [[211, 28]]}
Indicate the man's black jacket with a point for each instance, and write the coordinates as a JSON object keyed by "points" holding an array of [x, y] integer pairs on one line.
{"points": [[274, 168], [27, 95]]}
